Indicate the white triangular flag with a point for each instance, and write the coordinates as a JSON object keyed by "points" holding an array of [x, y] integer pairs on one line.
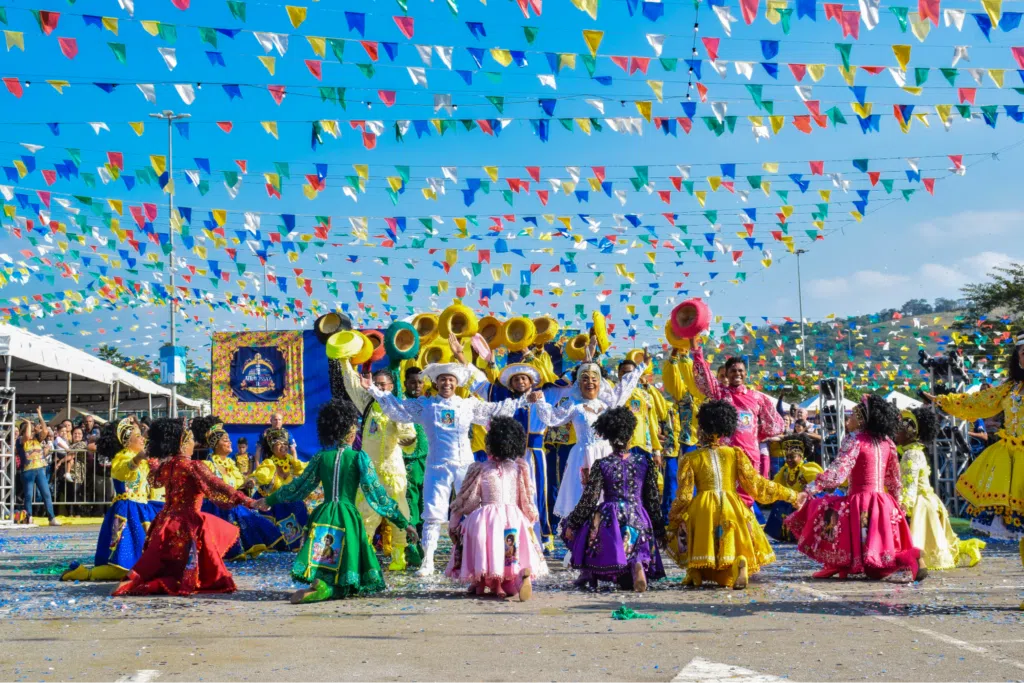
{"points": [[960, 52], [188, 95], [548, 80], [445, 53], [418, 75], [725, 16], [657, 42], [744, 69], [954, 17], [869, 12], [148, 91], [170, 56], [426, 53]]}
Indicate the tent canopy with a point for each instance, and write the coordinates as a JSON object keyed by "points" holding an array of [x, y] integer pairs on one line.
{"points": [[811, 404], [53, 375], [902, 401]]}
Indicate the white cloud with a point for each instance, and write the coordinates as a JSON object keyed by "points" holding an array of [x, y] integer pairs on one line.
{"points": [[977, 223], [872, 290]]}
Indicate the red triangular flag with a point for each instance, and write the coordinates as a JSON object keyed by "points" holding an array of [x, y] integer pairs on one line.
{"points": [[749, 8], [316, 67], [405, 25], [225, 126], [711, 47], [387, 97], [277, 92], [69, 46], [799, 70]]}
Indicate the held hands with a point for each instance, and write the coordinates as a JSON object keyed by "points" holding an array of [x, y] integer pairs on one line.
{"points": [[411, 535], [801, 499], [569, 534], [261, 505]]}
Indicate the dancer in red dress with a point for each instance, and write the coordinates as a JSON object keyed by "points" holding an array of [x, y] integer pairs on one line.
{"points": [[865, 531], [184, 549]]}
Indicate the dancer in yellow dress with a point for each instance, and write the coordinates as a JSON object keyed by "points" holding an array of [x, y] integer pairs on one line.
{"points": [[712, 534], [930, 529], [993, 485]]}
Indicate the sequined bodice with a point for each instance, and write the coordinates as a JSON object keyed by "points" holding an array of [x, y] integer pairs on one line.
{"points": [[623, 477], [498, 483]]}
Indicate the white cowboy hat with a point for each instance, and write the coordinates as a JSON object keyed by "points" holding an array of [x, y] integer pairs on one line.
{"points": [[459, 371], [514, 369]]}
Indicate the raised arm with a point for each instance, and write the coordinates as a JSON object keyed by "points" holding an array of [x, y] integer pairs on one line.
{"points": [[468, 498], [217, 491], [617, 395], [839, 471], [761, 489], [672, 379], [705, 380], [555, 415], [976, 406], [359, 395], [484, 412], [407, 410], [375, 493]]}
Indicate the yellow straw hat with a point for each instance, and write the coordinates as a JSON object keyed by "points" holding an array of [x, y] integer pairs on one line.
{"points": [[547, 329], [457, 319], [518, 333], [365, 351], [576, 349], [490, 329], [344, 344], [426, 327], [600, 328]]}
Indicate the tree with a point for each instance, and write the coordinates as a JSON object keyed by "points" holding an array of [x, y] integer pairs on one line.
{"points": [[943, 305], [1005, 291], [198, 386], [916, 307]]}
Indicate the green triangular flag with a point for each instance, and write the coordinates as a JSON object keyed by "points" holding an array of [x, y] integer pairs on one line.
{"points": [[887, 184], [531, 33], [643, 173], [208, 35], [567, 124], [921, 74], [730, 123], [282, 169], [590, 63], [755, 181], [337, 47], [990, 113], [964, 110], [669, 63], [120, 52], [341, 98], [493, 76], [835, 116], [75, 154], [769, 106], [507, 194], [366, 69], [3, 16], [712, 216], [498, 101], [907, 194], [950, 75], [403, 173], [901, 17], [755, 93], [844, 52], [168, 33], [237, 9], [785, 15], [203, 187], [328, 93], [783, 195]]}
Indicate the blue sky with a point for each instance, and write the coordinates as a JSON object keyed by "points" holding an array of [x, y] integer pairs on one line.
{"points": [[927, 247]]}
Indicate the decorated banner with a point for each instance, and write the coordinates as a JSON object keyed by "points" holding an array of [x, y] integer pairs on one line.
{"points": [[257, 374]]}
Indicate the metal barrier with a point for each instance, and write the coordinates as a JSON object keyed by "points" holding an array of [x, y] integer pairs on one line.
{"points": [[80, 484]]}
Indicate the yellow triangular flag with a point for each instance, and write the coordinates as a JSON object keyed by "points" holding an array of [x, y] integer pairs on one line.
{"points": [[777, 123], [319, 45], [816, 71], [492, 172], [770, 167], [849, 75], [593, 40], [715, 182], [584, 125], [15, 39], [913, 90], [656, 87], [110, 23], [997, 76], [701, 196], [861, 110], [270, 127], [902, 53], [825, 195], [362, 170], [644, 107], [268, 62], [771, 12], [943, 111], [588, 6], [567, 60], [994, 9], [501, 56], [296, 15], [151, 27], [138, 126], [59, 86], [159, 163]]}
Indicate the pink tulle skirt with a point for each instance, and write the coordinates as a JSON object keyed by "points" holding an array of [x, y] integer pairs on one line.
{"points": [[497, 543], [861, 533]]}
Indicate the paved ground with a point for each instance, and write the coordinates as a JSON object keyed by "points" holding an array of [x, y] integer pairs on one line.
{"points": [[962, 625]]}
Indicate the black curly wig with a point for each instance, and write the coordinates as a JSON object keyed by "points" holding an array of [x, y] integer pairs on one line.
{"points": [[165, 437], [506, 439], [717, 419], [882, 419], [616, 426], [335, 421], [927, 424], [200, 426], [1013, 367], [108, 445]]}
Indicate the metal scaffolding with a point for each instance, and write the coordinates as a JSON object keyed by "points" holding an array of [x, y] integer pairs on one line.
{"points": [[951, 452], [8, 469], [833, 418]]}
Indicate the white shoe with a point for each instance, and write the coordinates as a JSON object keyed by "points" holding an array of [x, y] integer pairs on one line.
{"points": [[426, 570]]}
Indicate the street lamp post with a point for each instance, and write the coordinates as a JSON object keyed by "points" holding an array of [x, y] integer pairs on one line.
{"points": [[800, 298], [171, 117]]}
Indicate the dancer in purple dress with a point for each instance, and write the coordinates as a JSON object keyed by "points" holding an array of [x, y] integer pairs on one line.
{"points": [[617, 539]]}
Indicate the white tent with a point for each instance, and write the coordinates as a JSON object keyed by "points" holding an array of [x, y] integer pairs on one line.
{"points": [[902, 401], [811, 404], [785, 406], [55, 376]]}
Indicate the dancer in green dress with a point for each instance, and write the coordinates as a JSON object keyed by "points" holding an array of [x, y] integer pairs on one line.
{"points": [[336, 559], [415, 456]]}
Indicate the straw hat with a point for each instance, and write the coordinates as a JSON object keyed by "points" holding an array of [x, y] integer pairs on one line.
{"points": [[514, 369], [344, 344], [458, 319]]}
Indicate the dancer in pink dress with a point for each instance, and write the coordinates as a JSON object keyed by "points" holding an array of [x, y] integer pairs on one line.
{"points": [[865, 531], [492, 519]]}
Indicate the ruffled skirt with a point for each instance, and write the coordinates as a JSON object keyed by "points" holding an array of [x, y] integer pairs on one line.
{"points": [[860, 533], [717, 534], [123, 533], [497, 543], [571, 490], [993, 486], [931, 531], [617, 536], [256, 533], [183, 556]]}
